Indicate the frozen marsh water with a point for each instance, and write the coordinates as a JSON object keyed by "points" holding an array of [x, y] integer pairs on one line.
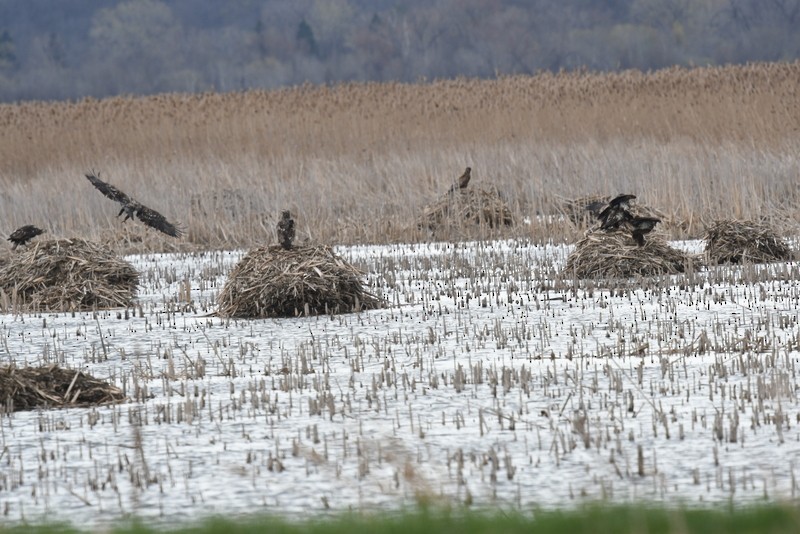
{"points": [[490, 380]]}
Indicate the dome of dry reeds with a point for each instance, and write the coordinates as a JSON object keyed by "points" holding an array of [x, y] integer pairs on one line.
{"points": [[27, 388], [66, 275], [467, 208], [729, 241], [271, 281], [616, 255]]}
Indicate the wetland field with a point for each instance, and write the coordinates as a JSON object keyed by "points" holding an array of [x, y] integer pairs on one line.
{"points": [[493, 378]]}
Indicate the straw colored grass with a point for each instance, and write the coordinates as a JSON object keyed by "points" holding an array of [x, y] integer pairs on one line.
{"points": [[729, 241], [616, 255], [359, 162], [465, 208], [66, 274], [28, 388], [271, 281]]}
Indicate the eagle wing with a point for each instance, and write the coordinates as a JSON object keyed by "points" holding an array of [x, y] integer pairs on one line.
{"points": [[109, 190], [154, 219]]}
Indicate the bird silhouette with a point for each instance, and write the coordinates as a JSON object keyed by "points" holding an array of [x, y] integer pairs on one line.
{"points": [[616, 212], [462, 182], [286, 230], [133, 209], [23, 234], [640, 226]]}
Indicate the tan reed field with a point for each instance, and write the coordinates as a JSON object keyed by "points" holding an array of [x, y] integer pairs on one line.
{"points": [[358, 162]]}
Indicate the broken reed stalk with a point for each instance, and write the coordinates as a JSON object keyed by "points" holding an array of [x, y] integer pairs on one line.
{"points": [[309, 280]]}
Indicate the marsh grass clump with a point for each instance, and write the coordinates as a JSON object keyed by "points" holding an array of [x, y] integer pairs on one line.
{"points": [[66, 275], [582, 211], [616, 255], [730, 241], [465, 208], [28, 388], [271, 281]]}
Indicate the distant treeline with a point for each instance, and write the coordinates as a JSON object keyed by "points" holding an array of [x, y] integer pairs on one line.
{"points": [[76, 48]]}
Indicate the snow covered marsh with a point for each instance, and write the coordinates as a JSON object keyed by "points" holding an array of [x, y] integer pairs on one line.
{"points": [[491, 379]]}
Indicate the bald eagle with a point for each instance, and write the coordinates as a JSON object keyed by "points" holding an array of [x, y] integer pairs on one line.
{"points": [[616, 212], [462, 182], [132, 208], [639, 226], [23, 234], [286, 230]]}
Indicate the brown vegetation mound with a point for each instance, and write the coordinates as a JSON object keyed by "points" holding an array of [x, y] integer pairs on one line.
{"points": [[34, 387], [616, 255], [729, 241], [67, 274], [473, 206], [271, 281]]}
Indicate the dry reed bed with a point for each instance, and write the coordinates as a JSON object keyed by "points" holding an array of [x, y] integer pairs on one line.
{"points": [[462, 211], [616, 255], [361, 160], [308, 280], [28, 388], [729, 241], [66, 274]]}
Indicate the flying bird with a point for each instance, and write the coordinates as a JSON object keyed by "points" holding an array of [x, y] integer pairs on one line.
{"points": [[132, 208], [462, 182], [616, 212], [23, 234], [286, 230], [640, 226]]}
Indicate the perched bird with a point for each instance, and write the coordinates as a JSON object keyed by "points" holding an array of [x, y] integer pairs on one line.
{"points": [[286, 230], [616, 212], [462, 182], [132, 208], [639, 226], [23, 234]]}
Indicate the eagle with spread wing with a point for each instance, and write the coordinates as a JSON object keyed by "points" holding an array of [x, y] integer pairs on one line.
{"points": [[23, 234], [132, 208], [616, 212]]}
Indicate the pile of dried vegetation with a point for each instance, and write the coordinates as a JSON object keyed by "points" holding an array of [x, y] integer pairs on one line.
{"points": [[466, 207], [66, 275], [27, 388], [616, 255], [729, 241], [271, 281]]}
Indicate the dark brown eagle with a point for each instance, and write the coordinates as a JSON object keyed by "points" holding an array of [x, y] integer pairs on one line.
{"points": [[616, 212], [132, 208], [462, 182], [23, 234], [286, 230], [639, 226]]}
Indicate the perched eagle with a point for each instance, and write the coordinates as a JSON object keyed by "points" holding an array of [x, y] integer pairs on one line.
{"points": [[462, 182], [286, 230], [23, 234], [616, 212], [639, 226], [132, 208]]}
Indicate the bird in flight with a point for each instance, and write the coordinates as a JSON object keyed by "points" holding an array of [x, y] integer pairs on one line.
{"points": [[23, 234], [462, 182], [286, 230], [616, 212], [132, 208], [639, 226]]}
